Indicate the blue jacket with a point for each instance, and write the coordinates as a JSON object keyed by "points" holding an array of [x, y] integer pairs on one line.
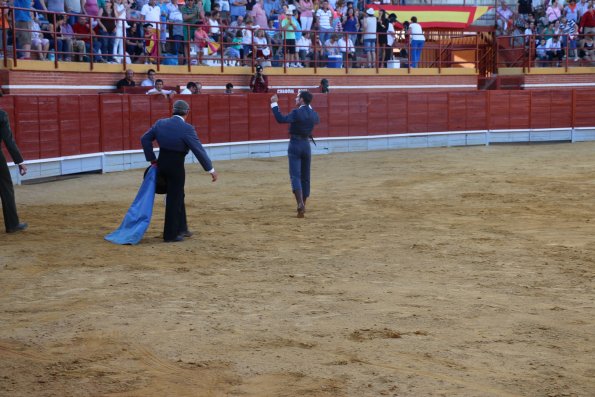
{"points": [[176, 135], [302, 120]]}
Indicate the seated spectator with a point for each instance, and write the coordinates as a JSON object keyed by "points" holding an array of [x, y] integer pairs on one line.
{"points": [[151, 43], [331, 46], [65, 40], [324, 86], [554, 49], [214, 30], [83, 31], [191, 89], [233, 52], [229, 88], [158, 90], [150, 80], [135, 46], [261, 45], [39, 44], [541, 52], [504, 19], [587, 49], [233, 29], [127, 80], [347, 49], [304, 48]]}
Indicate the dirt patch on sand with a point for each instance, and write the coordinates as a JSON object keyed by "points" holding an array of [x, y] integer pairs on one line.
{"points": [[451, 272]]}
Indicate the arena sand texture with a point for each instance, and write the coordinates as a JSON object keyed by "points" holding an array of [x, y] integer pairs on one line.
{"points": [[431, 272]]}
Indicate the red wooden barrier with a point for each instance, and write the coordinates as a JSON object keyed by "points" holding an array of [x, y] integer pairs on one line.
{"points": [[66, 125]]}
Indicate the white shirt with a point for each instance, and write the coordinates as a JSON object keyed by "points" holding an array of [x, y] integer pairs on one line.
{"points": [[416, 32], [303, 44], [154, 90], [346, 46], [324, 18], [185, 91], [151, 14], [147, 83]]}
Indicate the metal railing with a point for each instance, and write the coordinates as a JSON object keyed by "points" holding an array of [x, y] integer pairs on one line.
{"points": [[348, 51], [530, 51]]}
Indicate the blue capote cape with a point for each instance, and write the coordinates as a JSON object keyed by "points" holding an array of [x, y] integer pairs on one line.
{"points": [[137, 219]]}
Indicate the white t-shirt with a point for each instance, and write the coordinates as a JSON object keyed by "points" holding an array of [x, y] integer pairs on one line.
{"points": [[303, 44], [324, 18], [154, 90], [185, 91], [151, 14], [416, 32]]}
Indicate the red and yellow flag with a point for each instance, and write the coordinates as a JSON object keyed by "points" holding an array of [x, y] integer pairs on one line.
{"points": [[454, 17]]}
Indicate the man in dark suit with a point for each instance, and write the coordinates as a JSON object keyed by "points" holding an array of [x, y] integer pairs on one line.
{"points": [[302, 121], [9, 207], [175, 137]]}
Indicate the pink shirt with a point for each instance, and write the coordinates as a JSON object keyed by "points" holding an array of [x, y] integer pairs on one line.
{"points": [[306, 8]]}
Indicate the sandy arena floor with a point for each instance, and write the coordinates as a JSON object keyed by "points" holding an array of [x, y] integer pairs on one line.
{"points": [[435, 272]]}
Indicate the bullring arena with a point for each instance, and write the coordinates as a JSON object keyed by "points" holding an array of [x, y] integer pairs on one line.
{"points": [[441, 271], [447, 248]]}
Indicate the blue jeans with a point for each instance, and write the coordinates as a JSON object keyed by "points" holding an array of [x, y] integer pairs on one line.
{"points": [[416, 47], [96, 46], [324, 34], [300, 156], [107, 43]]}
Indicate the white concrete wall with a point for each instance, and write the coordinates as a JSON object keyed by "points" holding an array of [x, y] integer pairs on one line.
{"points": [[132, 159]]}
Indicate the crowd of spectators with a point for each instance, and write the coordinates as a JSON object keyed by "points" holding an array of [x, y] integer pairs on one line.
{"points": [[294, 33], [554, 30]]}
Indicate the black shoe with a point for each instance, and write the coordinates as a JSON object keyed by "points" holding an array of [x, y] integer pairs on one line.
{"points": [[187, 233], [175, 240], [18, 228]]}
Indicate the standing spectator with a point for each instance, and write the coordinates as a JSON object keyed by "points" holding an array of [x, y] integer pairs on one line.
{"points": [[351, 24], [259, 15], [56, 7], [175, 138], [587, 25], [151, 13], [127, 80], [382, 29], [9, 207], [525, 8], [158, 90], [72, 7], [237, 9], [553, 12], [324, 16], [224, 9], [191, 15], [272, 8], [306, 8], [582, 8], [369, 29], [569, 31], [109, 23], [23, 26], [120, 8], [302, 121], [259, 82], [290, 27], [174, 16], [571, 11], [150, 80], [417, 41]]}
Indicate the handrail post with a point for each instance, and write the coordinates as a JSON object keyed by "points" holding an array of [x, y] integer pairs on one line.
{"points": [[14, 39], [439, 56]]}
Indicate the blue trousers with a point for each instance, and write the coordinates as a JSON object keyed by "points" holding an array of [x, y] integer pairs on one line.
{"points": [[416, 47], [300, 157]]}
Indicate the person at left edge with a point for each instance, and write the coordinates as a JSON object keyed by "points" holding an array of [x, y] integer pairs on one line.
{"points": [[9, 207], [175, 137]]}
